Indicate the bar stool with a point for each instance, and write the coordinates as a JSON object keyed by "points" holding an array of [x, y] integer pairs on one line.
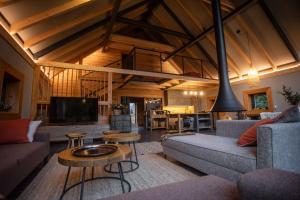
{"points": [[73, 137]]}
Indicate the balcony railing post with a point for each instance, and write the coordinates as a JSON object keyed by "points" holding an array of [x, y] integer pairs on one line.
{"points": [[182, 60], [161, 64]]}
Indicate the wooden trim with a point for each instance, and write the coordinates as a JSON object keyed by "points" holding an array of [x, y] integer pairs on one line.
{"points": [[247, 100], [124, 71], [16, 46]]}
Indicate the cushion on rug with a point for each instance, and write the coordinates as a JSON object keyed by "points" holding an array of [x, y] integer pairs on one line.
{"points": [[14, 131], [291, 114], [248, 138], [32, 129]]}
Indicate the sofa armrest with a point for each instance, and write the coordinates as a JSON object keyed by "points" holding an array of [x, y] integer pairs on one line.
{"points": [[269, 184], [232, 128], [41, 136], [278, 146]]}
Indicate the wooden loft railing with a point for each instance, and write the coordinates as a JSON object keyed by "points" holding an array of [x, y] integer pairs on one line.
{"points": [[179, 64], [65, 82]]}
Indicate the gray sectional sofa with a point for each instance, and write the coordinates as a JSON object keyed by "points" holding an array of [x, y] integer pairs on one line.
{"points": [[19, 160], [278, 146], [265, 184]]}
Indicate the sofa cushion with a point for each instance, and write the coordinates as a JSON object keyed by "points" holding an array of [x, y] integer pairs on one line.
{"points": [[249, 137], [269, 184], [17, 161], [203, 188], [219, 150], [291, 114], [14, 131]]}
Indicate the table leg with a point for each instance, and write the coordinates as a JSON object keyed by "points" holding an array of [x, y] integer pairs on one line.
{"points": [[121, 176], [93, 171], [82, 183], [131, 165], [136, 158], [66, 182]]}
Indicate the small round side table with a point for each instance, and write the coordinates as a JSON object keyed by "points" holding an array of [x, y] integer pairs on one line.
{"points": [[73, 137], [66, 158], [129, 138]]}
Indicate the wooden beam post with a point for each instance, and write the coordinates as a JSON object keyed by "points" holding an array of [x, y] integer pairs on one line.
{"points": [[113, 18]]}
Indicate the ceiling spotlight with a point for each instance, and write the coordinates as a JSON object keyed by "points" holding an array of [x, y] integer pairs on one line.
{"points": [[191, 92], [185, 92], [201, 93]]}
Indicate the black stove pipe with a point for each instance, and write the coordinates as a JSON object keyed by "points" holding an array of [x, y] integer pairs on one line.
{"points": [[226, 100]]}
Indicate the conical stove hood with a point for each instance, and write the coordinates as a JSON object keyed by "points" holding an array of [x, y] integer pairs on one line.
{"points": [[226, 101]]}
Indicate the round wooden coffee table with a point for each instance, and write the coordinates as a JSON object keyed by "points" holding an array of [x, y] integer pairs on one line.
{"points": [[129, 138], [66, 158]]}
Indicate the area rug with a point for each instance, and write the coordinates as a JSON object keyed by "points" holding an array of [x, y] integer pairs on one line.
{"points": [[154, 171]]}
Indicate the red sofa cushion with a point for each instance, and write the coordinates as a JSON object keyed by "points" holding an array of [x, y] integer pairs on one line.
{"points": [[248, 138], [14, 131]]}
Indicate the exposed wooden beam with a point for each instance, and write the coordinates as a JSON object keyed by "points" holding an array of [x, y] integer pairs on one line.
{"points": [[113, 18], [86, 30], [153, 27], [281, 32], [230, 37], [29, 21], [124, 71], [255, 40], [126, 81], [66, 26], [15, 45], [4, 3], [187, 31], [92, 37], [141, 43], [208, 30], [152, 6], [225, 5]]}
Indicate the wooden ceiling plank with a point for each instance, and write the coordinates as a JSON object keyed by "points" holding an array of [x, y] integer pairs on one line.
{"points": [[4, 3], [232, 14], [85, 31], [66, 26], [34, 19], [232, 64], [255, 40], [225, 5]]}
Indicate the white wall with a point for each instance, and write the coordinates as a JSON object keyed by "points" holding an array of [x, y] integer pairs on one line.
{"points": [[9, 55], [290, 80]]}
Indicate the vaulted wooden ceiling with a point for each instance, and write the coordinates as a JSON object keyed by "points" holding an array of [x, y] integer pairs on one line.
{"points": [[265, 33]]}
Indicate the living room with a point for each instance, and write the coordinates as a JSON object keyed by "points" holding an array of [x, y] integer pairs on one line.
{"points": [[140, 99]]}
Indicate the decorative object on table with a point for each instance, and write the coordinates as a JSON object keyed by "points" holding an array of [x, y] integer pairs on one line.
{"points": [[118, 109], [94, 150], [291, 97]]}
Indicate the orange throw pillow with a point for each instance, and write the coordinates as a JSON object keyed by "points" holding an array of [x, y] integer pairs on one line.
{"points": [[14, 131], [249, 138]]}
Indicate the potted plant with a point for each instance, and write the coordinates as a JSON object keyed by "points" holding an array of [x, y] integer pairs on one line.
{"points": [[292, 98]]}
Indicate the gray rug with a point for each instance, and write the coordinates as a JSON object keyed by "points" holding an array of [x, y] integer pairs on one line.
{"points": [[154, 170]]}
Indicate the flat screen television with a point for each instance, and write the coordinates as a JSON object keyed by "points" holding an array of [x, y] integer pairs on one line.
{"points": [[73, 110]]}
